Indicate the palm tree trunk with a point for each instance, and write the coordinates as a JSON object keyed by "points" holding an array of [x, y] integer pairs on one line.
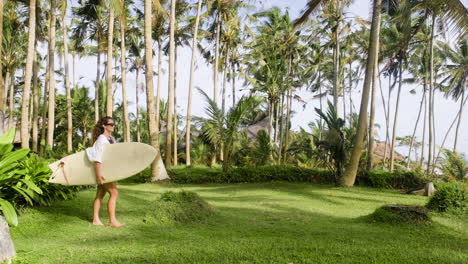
{"points": [[35, 107], [96, 93], [288, 120], [109, 102], [192, 70], [370, 146], [460, 113], [223, 104], [215, 66], [387, 118], [336, 67], [270, 120], [7, 89], [51, 112], [3, 87], [280, 154], [170, 99], [137, 104], [336, 59], [351, 170], [11, 101], [276, 123], [67, 88], [157, 170], [350, 88], [233, 79], [415, 128], [45, 106], [74, 68], [423, 143], [431, 95], [123, 68], [395, 118], [174, 160], [28, 75], [7, 85], [158, 95]]}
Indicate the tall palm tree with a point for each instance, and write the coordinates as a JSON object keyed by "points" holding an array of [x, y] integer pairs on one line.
{"points": [[136, 48], [51, 74], [373, 52], [63, 9], [28, 75], [170, 86], [157, 169], [192, 69], [110, 38], [123, 56], [90, 26], [456, 77]]}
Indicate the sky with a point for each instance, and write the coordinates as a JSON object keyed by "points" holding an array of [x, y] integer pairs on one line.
{"points": [[445, 109]]}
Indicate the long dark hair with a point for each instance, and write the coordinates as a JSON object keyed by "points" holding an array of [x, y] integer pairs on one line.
{"points": [[98, 128]]}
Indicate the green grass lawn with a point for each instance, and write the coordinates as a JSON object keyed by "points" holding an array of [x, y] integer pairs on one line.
{"points": [[253, 223]]}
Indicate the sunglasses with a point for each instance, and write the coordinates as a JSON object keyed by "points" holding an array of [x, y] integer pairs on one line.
{"points": [[109, 124]]}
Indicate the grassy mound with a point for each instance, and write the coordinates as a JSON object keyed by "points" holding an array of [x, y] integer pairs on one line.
{"points": [[179, 207], [400, 214]]}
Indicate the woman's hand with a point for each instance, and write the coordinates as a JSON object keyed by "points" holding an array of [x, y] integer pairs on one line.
{"points": [[100, 179]]}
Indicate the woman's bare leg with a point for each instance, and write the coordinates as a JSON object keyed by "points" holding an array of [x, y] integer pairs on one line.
{"points": [[111, 204], [100, 193]]}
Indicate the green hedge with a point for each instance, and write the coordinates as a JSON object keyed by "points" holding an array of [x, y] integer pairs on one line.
{"points": [[375, 178], [392, 180], [251, 174]]}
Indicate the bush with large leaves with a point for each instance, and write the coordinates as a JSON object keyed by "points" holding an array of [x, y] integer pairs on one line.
{"points": [[23, 180]]}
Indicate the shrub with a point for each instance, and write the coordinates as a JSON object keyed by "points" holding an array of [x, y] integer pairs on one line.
{"points": [[24, 180], [396, 180], [449, 197], [179, 207]]}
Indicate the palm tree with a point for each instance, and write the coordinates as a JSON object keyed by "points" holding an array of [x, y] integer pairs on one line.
{"points": [[351, 170], [136, 47], [456, 72], [51, 74], [454, 13], [63, 9], [90, 26], [28, 75], [123, 55], [157, 170], [192, 69], [170, 86], [110, 37]]}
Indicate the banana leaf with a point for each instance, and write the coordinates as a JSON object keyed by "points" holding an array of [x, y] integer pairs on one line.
{"points": [[8, 137], [9, 212]]}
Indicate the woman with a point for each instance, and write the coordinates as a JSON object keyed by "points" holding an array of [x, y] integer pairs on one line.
{"points": [[102, 135]]}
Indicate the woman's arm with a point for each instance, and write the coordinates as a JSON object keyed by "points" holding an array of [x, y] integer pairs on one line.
{"points": [[99, 178]]}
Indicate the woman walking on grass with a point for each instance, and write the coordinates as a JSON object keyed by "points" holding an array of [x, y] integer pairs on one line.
{"points": [[102, 135]]}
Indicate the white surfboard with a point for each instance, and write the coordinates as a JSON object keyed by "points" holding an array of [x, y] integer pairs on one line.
{"points": [[119, 161]]}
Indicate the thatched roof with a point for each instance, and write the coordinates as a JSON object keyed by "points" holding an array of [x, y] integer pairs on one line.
{"points": [[379, 152], [253, 130]]}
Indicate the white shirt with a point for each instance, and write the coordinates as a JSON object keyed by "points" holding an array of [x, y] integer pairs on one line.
{"points": [[95, 152]]}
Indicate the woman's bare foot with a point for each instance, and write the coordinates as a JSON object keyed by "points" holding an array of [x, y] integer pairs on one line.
{"points": [[115, 224], [97, 222]]}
